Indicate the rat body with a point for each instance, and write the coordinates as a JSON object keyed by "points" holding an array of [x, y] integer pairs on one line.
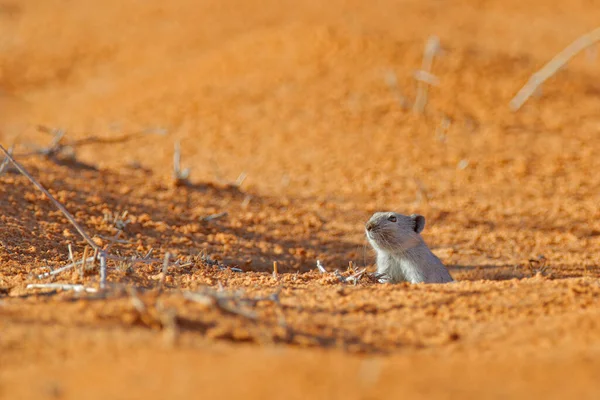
{"points": [[402, 255]]}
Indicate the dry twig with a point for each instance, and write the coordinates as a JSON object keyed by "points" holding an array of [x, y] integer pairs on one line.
{"points": [[65, 268], [62, 209], [354, 278], [165, 269], [6, 161], [552, 66], [215, 216], [321, 267], [424, 76], [61, 286], [101, 253], [180, 176]]}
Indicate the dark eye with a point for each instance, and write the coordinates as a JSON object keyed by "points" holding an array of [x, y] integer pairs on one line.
{"points": [[392, 219]]}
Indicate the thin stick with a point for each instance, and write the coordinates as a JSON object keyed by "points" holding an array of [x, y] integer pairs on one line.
{"points": [[66, 267], [101, 253], [132, 260], [165, 269], [356, 277], [6, 161], [83, 261], [71, 257], [95, 258], [180, 176], [102, 256], [424, 76], [321, 267], [149, 253], [62, 209], [552, 66], [240, 179], [215, 216], [76, 288]]}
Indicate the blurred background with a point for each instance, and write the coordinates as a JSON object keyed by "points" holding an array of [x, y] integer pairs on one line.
{"points": [[297, 120]]}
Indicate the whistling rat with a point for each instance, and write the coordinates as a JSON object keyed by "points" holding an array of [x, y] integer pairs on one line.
{"points": [[402, 255]]}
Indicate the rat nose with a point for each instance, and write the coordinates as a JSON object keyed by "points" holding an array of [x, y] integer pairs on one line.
{"points": [[369, 226]]}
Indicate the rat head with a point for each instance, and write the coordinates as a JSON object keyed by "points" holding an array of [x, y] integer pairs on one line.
{"points": [[393, 232]]}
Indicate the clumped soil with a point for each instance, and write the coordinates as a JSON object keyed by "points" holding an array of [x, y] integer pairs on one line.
{"points": [[296, 122]]}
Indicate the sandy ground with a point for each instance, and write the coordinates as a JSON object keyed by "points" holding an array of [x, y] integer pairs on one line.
{"points": [[295, 119]]}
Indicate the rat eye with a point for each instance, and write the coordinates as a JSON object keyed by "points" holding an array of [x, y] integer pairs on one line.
{"points": [[392, 219]]}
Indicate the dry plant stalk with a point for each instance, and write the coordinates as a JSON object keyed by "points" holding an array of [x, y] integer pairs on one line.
{"points": [[62, 286], [320, 267], [83, 262], [180, 177], [6, 161], [66, 267], [424, 76], [102, 256], [354, 278], [62, 209], [215, 216], [552, 66], [101, 253], [165, 269], [71, 257]]}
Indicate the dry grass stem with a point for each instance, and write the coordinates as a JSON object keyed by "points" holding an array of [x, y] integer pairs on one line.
{"points": [[62, 286], [83, 261], [423, 76], [557, 62], [354, 278], [71, 257], [180, 176], [65, 268], [215, 216], [62, 209], [165, 269], [102, 256], [240, 179], [321, 267], [6, 161], [100, 253]]}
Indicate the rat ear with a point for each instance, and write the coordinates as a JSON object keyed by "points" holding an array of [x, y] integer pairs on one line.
{"points": [[419, 221]]}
